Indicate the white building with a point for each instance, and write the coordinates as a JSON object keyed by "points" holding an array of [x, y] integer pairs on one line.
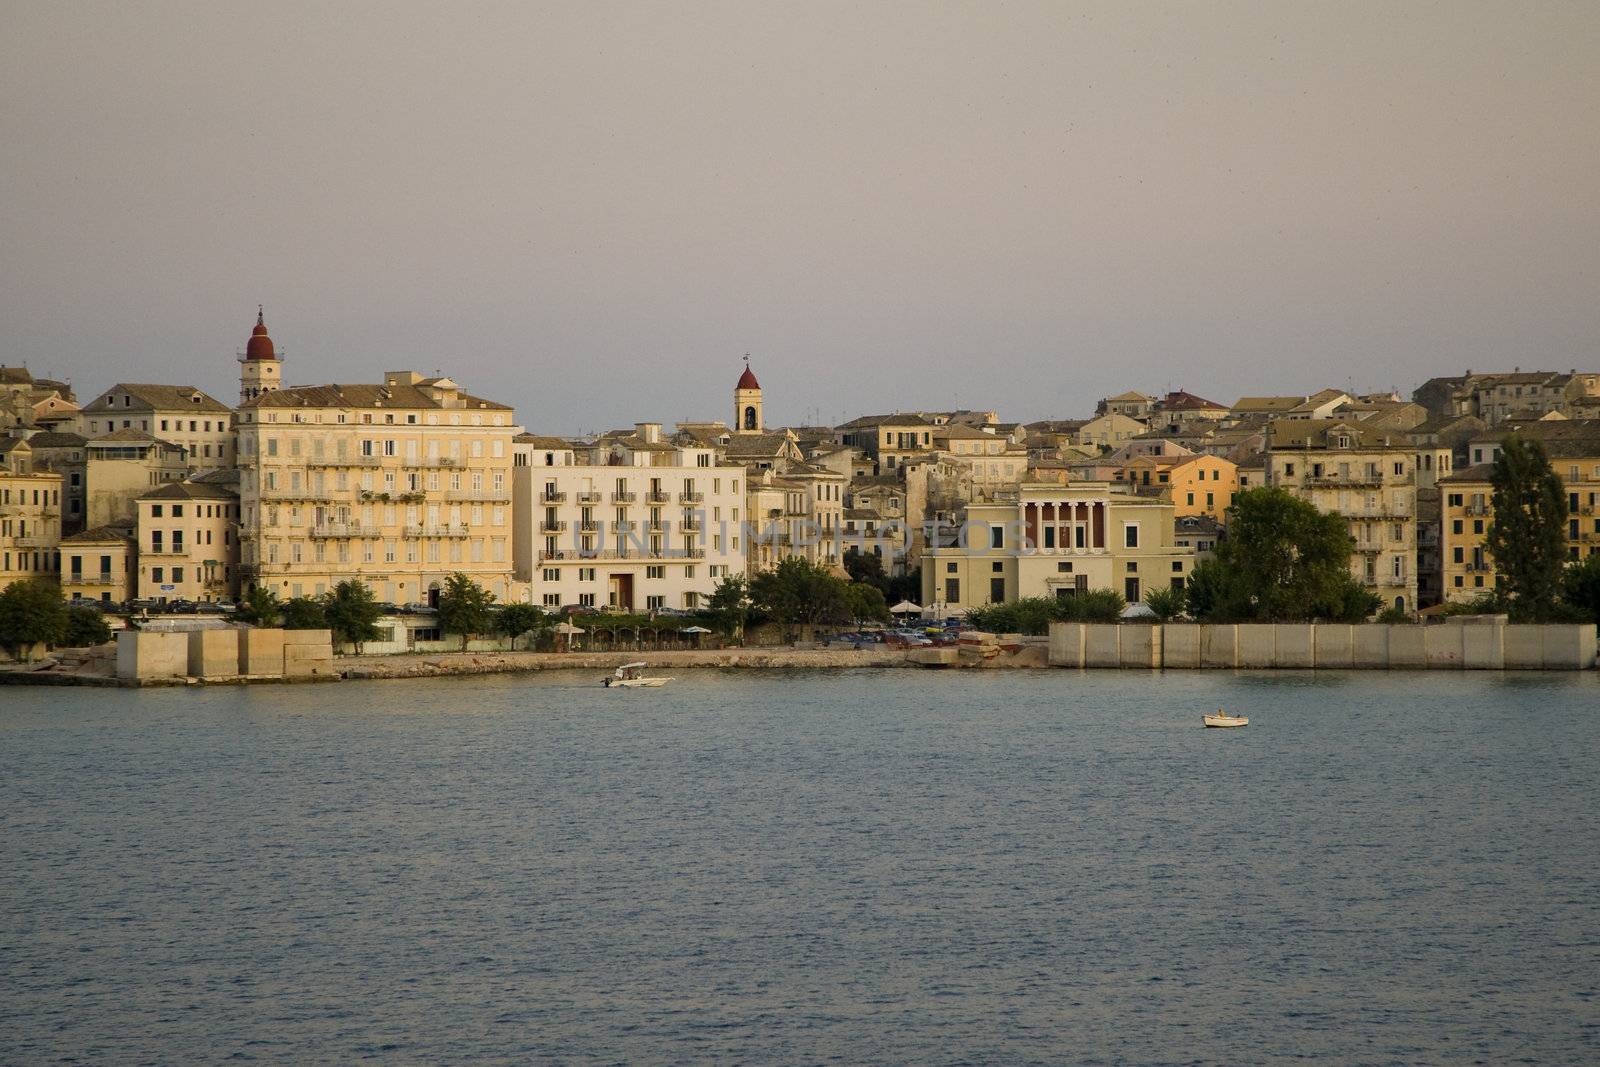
{"points": [[630, 522]]}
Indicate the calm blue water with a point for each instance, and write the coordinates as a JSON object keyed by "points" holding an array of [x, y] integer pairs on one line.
{"points": [[855, 866]]}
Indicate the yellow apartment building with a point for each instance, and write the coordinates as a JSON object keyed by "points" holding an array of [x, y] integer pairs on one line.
{"points": [[1467, 499], [398, 484], [180, 414], [188, 538], [30, 519], [1369, 477], [98, 565]]}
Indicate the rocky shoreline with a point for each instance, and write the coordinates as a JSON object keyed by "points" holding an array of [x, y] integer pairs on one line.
{"points": [[439, 665]]}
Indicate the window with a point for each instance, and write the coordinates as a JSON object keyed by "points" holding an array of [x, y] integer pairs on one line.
{"points": [[950, 568], [997, 590], [997, 537], [1130, 535], [1130, 590], [952, 588]]}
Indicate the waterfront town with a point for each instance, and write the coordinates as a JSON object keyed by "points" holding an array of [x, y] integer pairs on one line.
{"points": [[156, 497]]}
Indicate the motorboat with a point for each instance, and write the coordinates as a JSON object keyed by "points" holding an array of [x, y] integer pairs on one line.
{"points": [[1220, 719], [631, 676]]}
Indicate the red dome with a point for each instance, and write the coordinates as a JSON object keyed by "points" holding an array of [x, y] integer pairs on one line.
{"points": [[260, 346], [747, 380]]}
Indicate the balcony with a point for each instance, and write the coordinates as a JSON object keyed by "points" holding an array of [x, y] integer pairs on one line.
{"points": [[550, 496], [588, 498], [658, 496], [550, 527], [1477, 509], [164, 550], [35, 541], [689, 497], [298, 494], [330, 530], [588, 525], [477, 496], [1334, 481], [1368, 547], [103, 578], [434, 462], [623, 497], [344, 461], [436, 531]]}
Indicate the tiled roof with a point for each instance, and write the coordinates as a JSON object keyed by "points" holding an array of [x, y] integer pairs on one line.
{"points": [[57, 440], [190, 491], [159, 398], [397, 396], [99, 535]]}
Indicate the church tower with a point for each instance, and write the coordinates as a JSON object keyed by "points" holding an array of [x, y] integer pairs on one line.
{"points": [[260, 369], [747, 403]]}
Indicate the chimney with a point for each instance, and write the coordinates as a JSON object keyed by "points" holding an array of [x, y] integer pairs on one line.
{"points": [[648, 432]]}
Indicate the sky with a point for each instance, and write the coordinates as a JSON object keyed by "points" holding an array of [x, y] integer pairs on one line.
{"points": [[593, 211]]}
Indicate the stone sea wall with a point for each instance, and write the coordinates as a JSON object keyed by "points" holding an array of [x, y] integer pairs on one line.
{"points": [[1369, 646]]}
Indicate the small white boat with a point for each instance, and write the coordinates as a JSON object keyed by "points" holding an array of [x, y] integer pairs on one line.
{"points": [[630, 676], [1222, 720]]}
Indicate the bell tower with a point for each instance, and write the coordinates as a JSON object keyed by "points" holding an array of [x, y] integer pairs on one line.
{"points": [[747, 402], [260, 369]]}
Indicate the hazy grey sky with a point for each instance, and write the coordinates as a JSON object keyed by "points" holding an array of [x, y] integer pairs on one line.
{"points": [[592, 211]]}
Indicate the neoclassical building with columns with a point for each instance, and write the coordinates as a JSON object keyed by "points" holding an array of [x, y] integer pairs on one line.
{"points": [[1055, 541]]}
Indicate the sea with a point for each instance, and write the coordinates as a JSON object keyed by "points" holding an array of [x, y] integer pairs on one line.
{"points": [[851, 866]]}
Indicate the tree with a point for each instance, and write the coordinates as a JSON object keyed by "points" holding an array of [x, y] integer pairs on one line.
{"points": [[304, 613], [465, 608], [1282, 561], [1528, 536], [865, 603], [866, 567], [352, 613], [514, 620], [259, 606], [728, 607], [32, 611], [1167, 603], [798, 592], [85, 626], [1580, 587]]}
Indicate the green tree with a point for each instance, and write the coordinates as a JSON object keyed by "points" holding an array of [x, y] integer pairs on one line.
{"points": [[465, 608], [352, 613], [1282, 561], [866, 567], [32, 611], [797, 592], [728, 608], [514, 620], [1167, 602], [85, 626], [304, 613], [1097, 605], [1580, 587], [259, 606], [1528, 536], [865, 603], [907, 586]]}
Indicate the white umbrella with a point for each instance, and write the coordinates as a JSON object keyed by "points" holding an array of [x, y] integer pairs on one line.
{"points": [[694, 630], [906, 607], [568, 628], [1138, 611]]}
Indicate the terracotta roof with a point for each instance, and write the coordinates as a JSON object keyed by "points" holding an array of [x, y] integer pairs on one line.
{"points": [[158, 398], [189, 491], [1182, 400], [903, 419], [99, 535], [126, 436], [397, 396], [536, 441], [57, 440]]}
